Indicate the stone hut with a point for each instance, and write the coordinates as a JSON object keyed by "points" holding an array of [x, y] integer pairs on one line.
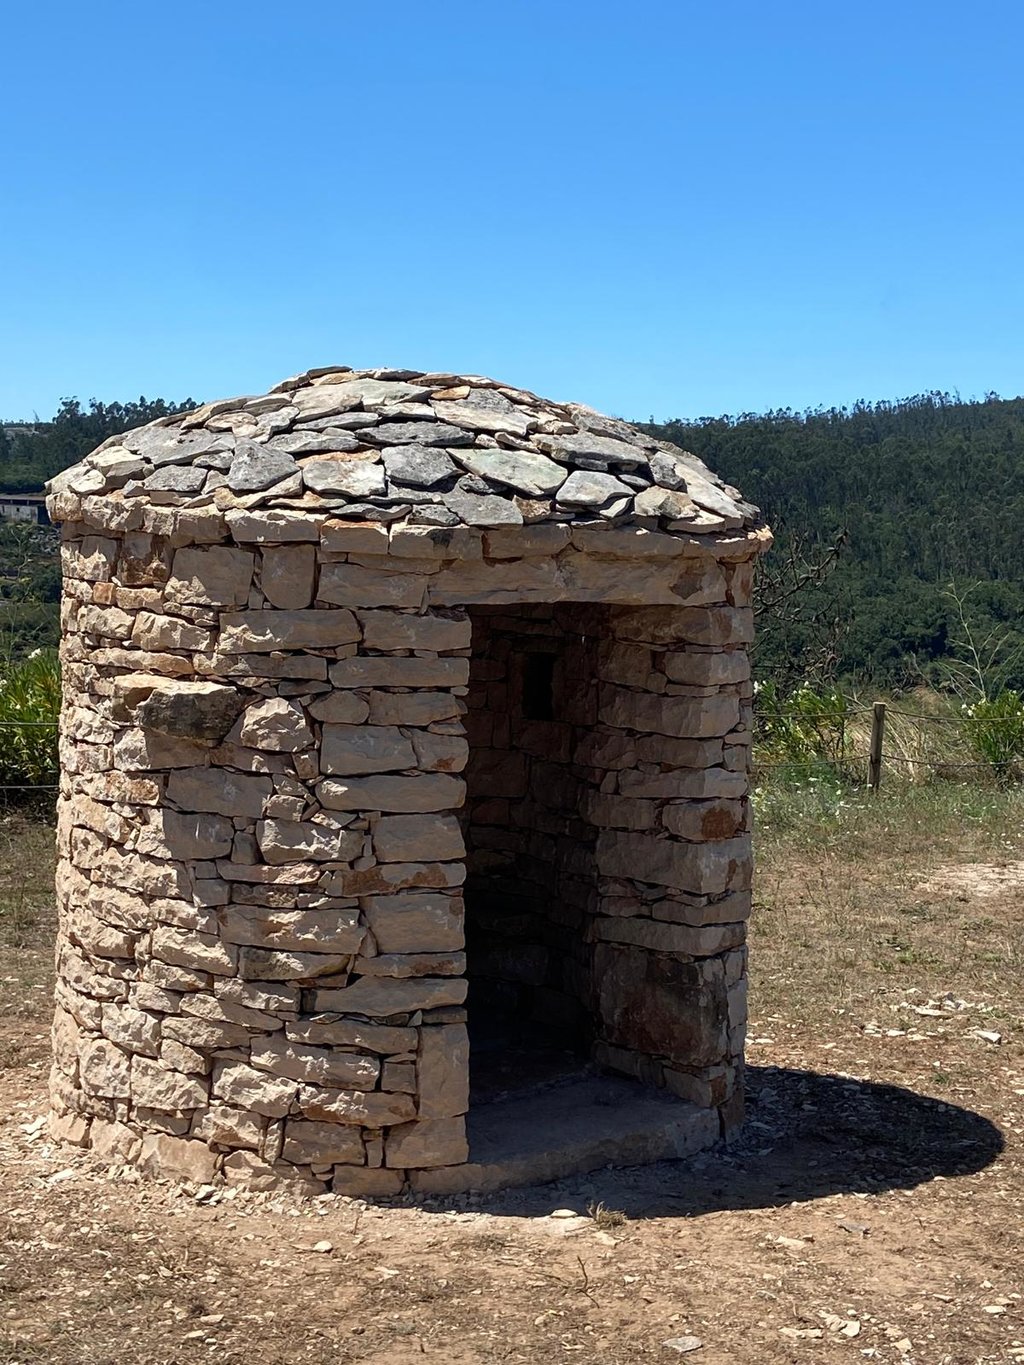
{"points": [[406, 723]]}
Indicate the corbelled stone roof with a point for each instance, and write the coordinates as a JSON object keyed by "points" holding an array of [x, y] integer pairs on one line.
{"points": [[428, 449]]}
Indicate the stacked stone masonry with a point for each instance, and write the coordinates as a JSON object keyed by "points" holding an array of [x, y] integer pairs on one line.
{"points": [[328, 650]]}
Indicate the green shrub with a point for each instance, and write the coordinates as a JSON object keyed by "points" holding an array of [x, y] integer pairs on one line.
{"points": [[803, 731], [29, 710], [994, 728]]}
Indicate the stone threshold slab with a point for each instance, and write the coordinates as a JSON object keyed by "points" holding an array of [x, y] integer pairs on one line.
{"points": [[531, 1138]]}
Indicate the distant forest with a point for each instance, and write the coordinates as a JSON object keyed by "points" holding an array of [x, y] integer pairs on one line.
{"points": [[32, 452], [880, 508], [926, 492]]}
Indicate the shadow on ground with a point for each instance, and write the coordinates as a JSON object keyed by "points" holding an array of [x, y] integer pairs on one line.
{"points": [[807, 1135]]}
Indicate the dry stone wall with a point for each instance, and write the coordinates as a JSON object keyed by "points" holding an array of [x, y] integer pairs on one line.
{"points": [[260, 967], [273, 685], [672, 748]]}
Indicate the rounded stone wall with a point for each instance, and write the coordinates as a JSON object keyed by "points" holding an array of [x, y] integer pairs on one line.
{"points": [[267, 651]]}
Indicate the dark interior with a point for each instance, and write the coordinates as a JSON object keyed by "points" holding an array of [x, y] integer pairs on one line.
{"points": [[530, 881]]}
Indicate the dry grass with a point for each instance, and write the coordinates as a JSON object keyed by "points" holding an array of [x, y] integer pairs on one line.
{"points": [[926, 738], [27, 922], [868, 1213], [844, 919], [607, 1219]]}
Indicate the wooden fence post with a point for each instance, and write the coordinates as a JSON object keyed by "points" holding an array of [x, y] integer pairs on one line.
{"points": [[877, 739]]}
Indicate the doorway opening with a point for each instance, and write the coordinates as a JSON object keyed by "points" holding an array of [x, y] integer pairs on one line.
{"points": [[531, 882]]}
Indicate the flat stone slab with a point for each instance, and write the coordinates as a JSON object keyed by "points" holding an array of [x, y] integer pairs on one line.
{"points": [[580, 1125]]}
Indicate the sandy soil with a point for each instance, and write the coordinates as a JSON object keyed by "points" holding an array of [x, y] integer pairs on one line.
{"points": [[975, 879]]}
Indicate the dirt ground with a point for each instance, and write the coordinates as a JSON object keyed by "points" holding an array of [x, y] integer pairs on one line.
{"points": [[873, 1208]]}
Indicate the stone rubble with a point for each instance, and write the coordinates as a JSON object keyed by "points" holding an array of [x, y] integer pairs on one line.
{"points": [[302, 707]]}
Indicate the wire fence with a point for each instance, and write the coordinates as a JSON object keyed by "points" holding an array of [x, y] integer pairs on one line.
{"points": [[843, 735], [859, 710]]}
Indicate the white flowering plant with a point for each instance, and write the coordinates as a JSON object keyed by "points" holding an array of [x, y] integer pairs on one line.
{"points": [[805, 731], [994, 728]]}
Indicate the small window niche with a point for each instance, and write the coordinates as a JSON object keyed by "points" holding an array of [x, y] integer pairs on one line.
{"points": [[539, 686]]}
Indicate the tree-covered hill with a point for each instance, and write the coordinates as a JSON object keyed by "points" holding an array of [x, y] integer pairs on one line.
{"points": [[930, 491], [32, 452]]}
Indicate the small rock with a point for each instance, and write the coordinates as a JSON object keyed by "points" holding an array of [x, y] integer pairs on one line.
{"points": [[313, 442], [858, 1229], [91, 481], [524, 470], [219, 460], [176, 478], [255, 467], [356, 476], [419, 433], [587, 489], [589, 445], [473, 484], [844, 1327], [277, 724], [564, 1213], [117, 463], [671, 470], [417, 465], [486, 411], [433, 516], [322, 1247], [663, 502], [343, 421], [371, 511], [683, 1344], [483, 510]]}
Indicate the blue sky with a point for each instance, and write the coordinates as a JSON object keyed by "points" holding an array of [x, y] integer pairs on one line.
{"points": [[668, 207]]}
